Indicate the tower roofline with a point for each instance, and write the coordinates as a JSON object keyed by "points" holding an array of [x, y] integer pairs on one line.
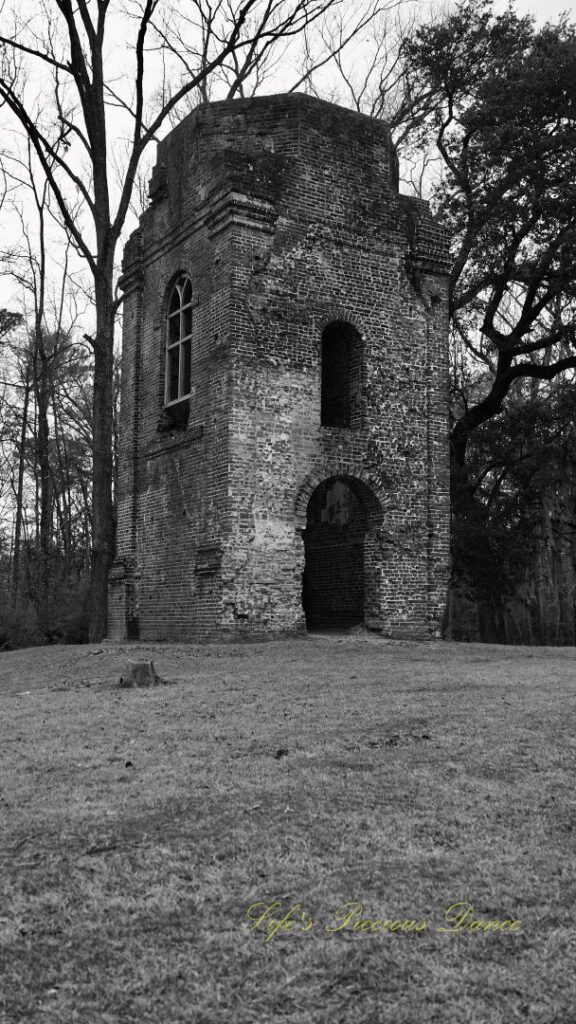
{"points": [[279, 99], [284, 107], [292, 125]]}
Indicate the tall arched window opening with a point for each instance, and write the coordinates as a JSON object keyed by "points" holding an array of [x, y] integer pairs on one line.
{"points": [[340, 392], [179, 342]]}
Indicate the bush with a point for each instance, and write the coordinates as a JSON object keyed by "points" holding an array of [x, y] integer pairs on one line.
{"points": [[63, 620], [19, 626], [72, 616]]}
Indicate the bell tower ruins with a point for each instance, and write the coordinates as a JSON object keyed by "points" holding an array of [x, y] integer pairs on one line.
{"points": [[283, 435]]}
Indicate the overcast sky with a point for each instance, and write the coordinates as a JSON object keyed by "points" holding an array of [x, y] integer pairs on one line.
{"points": [[542, 9], [545, 10]]}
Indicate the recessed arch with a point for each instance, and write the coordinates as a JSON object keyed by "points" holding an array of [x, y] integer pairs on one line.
{"points": [[375, 491], [340, 588]]}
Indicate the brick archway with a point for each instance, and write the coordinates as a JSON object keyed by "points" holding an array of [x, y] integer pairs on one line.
{"points": [[376, 494], [340, 583]]}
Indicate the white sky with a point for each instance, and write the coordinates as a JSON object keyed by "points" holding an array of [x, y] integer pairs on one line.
{"points": [[543, 10]]}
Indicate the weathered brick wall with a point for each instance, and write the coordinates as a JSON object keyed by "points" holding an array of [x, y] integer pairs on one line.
{"points": [[285, 214]]}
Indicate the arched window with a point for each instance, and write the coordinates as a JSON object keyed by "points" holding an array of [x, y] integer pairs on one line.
{"points": [[339, 406], [179, 342]]}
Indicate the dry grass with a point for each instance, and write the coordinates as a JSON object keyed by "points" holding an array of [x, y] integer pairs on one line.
{"points": [[141, 825]]}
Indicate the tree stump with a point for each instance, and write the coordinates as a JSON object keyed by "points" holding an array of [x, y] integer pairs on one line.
{"points": [[140, 673]]}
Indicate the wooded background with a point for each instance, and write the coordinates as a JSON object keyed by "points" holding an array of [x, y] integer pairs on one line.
{"points": [[482, 108]]}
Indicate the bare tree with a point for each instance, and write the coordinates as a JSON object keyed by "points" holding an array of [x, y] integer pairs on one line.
{"points": [[28, 265], [377, 81], [16, 479], [69, 43]]}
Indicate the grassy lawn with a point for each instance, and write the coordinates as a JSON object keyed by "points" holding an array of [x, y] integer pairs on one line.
{"points": [[141, 828]]}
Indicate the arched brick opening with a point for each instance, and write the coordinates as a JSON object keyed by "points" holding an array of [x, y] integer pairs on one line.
{"points": [[340, 580]]}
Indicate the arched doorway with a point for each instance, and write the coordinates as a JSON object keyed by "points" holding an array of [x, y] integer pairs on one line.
{"points": [[337, 575]]}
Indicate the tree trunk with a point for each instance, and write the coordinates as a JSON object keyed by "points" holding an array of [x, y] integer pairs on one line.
{"points": [[20, 491], [61, 486], [102, 506], [42, 389]]}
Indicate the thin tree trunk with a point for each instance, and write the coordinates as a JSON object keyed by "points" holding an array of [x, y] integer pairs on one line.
{"points": [[42, 390], [62, 485], [20, 490]]}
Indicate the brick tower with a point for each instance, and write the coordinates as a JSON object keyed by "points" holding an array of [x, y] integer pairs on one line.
{"points": [[283, 436]]}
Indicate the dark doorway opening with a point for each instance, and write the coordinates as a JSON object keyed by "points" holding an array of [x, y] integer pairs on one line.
{"points": [[333, 582]]}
